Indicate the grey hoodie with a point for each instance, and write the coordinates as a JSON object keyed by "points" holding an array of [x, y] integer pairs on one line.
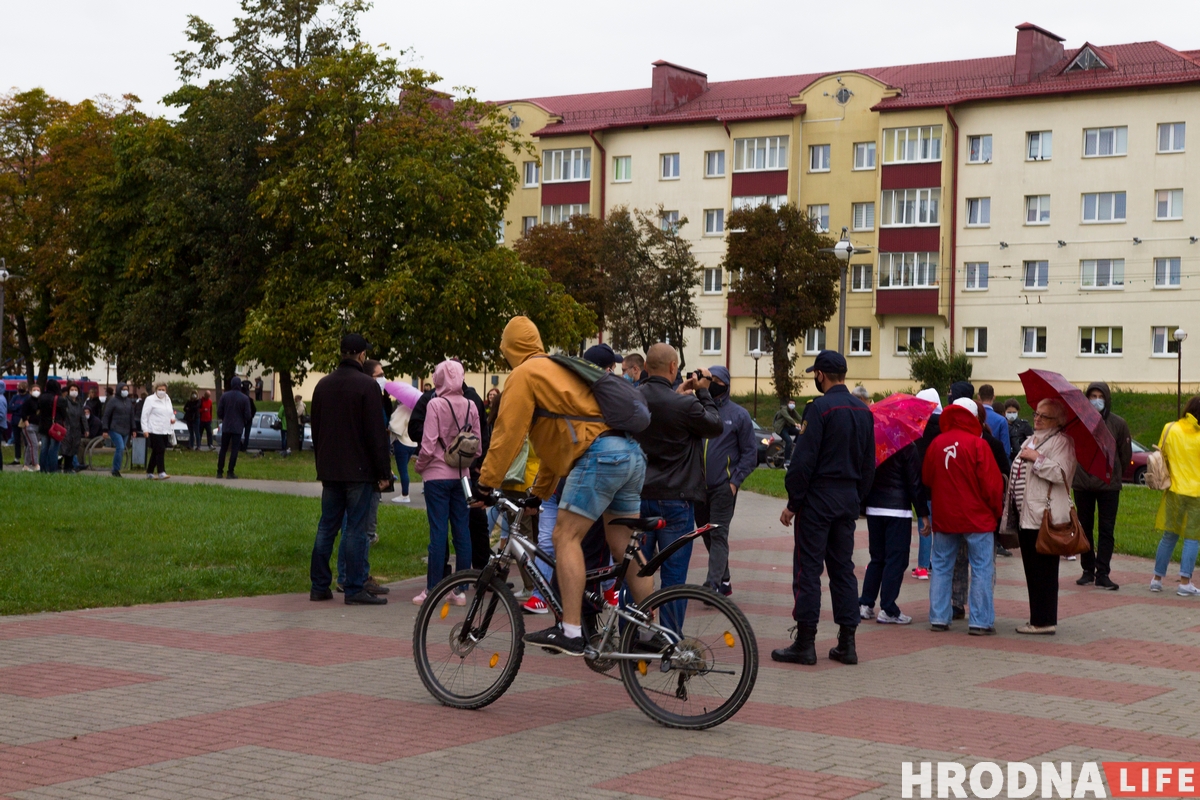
{"points": [[1120, 431], [731, 456]]}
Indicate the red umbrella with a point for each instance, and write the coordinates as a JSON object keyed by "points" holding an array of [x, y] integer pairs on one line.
{"points": [[1095, 447], [899, 421]]}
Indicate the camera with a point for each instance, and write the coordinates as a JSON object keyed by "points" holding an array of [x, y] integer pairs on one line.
{"points": [[698, 376]]}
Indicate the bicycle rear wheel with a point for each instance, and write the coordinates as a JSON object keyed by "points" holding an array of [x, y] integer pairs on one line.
{"points": [[710, 674], [472, 671]]}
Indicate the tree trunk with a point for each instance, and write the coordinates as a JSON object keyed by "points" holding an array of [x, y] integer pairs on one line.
{"points": [[23, 346], [44, 367], [295, 428], [782, 367]]}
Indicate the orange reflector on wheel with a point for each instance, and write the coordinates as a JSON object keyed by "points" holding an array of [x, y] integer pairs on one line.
{"points": [[642, 667], [729, 642], [495, 659], [445, 610]]}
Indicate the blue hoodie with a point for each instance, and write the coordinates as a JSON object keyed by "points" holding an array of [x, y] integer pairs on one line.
{"points": [[733, 455]]}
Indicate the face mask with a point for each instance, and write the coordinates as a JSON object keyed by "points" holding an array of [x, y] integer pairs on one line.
{"points": [[791, 406], [160, 394], [36, 394], [381, 382], [1011, 416], [124, 393], [1097, 403], [717, 389], [73, 393], [104, 399]]}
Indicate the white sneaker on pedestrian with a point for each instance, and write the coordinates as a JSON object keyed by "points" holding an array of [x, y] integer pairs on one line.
{"points": [[458, 598], [401, 498], [866, 612], [886, 619], [419, 599], [1187, 590], [162, 476], [1072, 558], [1156, 585]]}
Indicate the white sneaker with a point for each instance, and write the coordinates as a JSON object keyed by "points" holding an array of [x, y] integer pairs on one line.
{"points": [[885, 619], [866, 612], [1156, 585], [1187, 590], [162, 476], [402, 498], [1072, 558], [419, 599]]}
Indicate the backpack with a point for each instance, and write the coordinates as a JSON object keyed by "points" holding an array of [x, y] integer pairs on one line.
{"points": [[1158, 476], [464, 447], [622, 406]]}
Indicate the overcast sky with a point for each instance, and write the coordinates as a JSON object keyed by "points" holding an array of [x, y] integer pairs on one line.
{"points": [[84, 48]]}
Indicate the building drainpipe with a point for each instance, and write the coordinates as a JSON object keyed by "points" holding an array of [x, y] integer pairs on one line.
{"points": [[953, 223], [728, 341], [603, 166]]}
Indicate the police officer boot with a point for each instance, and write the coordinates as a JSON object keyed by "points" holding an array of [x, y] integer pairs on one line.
{"points": [[845, 652], [802, 650]]}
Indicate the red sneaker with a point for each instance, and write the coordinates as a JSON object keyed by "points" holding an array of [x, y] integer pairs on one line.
{"points": [[612, 597], [921, 574], [535, 605]]}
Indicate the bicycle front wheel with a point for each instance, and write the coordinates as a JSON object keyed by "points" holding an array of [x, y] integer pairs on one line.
{"points": [[709, 675], [468, 655]]}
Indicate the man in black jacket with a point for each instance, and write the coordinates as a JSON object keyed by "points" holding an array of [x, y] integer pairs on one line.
{"points": [[350, 444], [117, 420], [1093, 494], [680, 421], [833, 465], [233, 409]]}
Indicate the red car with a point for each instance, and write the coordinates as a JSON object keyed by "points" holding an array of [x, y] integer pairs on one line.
{"points": [[1135, 470]]}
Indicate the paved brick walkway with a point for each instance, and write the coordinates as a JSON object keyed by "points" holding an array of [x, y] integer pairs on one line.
{"points": [[277, 697]]}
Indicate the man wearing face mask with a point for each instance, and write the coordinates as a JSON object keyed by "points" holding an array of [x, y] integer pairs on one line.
{"points": [[118, 423], [1018, 429], [787, 424], [1092, 494], [833, 466]]}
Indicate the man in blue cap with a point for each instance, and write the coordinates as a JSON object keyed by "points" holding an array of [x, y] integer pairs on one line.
{"points": [[832, 467]]}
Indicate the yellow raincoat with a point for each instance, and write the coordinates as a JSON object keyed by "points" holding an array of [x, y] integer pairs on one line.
{"points": [[1179, 511]]}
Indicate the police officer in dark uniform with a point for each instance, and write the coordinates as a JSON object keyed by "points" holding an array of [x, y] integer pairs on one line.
{"points": [[832, 467]]}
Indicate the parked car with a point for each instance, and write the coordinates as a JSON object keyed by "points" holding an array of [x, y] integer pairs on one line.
{"points": [[181, 430], [1135, 470], [770, 447], [265, 437]]}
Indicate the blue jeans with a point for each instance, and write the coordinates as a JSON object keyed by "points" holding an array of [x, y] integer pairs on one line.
{"points": [[118, 441], [981, 550], [403, 453], [349, 502], [48, 457], [681, 519], [545, 541], [889, 542], [924, 544], [371, 523], [446, 507], [1166, 546]]}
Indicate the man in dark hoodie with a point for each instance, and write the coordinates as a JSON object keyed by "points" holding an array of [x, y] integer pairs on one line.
{"points": [[1092, 493], [728, 459], [233, 409]]}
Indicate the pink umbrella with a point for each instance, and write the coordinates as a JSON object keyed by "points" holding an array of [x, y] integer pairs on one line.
{"points": [[405, 393], [1095, 447], [899, 421]]}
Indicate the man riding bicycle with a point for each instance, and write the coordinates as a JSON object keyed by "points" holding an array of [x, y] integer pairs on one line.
{"points": [[604, 468]]}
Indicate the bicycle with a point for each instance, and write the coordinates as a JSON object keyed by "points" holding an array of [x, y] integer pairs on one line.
{"points": [[693, 678]]}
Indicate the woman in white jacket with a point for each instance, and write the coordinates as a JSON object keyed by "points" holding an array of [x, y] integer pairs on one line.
{"points": [[158, 423]]}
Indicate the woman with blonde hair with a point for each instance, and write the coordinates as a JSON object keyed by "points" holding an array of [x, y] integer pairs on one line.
{"points": [[1179, 511], [1040, 479]]}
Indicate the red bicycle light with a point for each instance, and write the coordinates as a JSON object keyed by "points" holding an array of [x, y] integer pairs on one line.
{"points": [[662, 523]]}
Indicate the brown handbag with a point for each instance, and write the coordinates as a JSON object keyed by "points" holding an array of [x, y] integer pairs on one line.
{"points": [[1066, 539]]}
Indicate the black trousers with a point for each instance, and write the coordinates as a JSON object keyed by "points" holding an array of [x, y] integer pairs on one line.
{"points": [[889, 540], [158, 450], [481, 549], [230, 443], [824, 532], [1041, 580], [1098, 560], [717, 509]]}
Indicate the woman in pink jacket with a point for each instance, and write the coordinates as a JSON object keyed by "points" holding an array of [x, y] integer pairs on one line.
{"points": [[448, 414]]}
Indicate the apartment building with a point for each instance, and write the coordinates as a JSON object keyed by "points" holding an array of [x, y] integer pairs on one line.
{"points": [[933, 167]]}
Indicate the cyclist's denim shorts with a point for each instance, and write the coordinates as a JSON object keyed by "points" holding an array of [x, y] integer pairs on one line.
{"points": [[607, 479]]}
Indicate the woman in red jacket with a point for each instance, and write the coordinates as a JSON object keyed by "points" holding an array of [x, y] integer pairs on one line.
{"points": [[967, 493]]}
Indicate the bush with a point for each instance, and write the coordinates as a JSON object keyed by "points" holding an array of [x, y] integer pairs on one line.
{"points": [[181, 391], [937, 368]]}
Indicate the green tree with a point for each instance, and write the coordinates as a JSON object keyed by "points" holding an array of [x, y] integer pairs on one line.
{"points": [[782, 280], [937, 368], [569, 253]]}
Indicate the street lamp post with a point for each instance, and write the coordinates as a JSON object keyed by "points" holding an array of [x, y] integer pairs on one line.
{"points": [[756, 354], [1180, 335], [3, 280], [844, 251]]}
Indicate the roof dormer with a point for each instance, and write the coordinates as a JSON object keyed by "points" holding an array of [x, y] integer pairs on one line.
{"points": [[1089, 58]]}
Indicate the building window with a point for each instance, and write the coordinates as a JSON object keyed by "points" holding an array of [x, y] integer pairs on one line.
{"points": [[1039, 146], [977, 276], [818, 217], [714, 164], [765, 152], [979, 149], [775, 201], [712, 340], [1100, 341], [906, 270], [1104, 207], [1037, 209], [527, 224], [500, 232], [562, 166], [905, 207], [1163, 342], [1170, 137], [669, 221], [864, 155], [904, 145], [814, 341], [975, 341], [714, 221], [860, 277], [1100, 142], [1168, 204], [1037, 274], [818, 158], [1087, 59], [670, 166], [1033, 341], [1166, 273], [864, 216], [1103, 273], [622, 169], [552, 215], [979, 211], [531, 174], [712, 280], [757, 339], [860, 341], [913, 340]]}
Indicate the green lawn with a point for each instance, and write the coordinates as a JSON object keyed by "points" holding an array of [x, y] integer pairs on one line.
{"points": [[1135, 534], [73, 542]]}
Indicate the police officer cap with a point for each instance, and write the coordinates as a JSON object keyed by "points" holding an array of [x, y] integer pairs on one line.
{"points": [[602, 356], [829, 361]]}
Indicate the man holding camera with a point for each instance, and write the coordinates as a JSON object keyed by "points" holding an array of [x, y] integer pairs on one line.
{"points": [[680, 420]]}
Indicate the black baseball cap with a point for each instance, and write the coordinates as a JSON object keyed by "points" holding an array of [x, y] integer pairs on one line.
{"points": [[829, 361], [602, 356], [354, 343]]}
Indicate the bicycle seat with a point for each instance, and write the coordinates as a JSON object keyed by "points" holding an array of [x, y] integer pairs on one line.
{"points": [[641, 523]]}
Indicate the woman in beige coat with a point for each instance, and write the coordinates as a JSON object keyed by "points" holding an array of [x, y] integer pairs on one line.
{"points": [[1041, 478]]}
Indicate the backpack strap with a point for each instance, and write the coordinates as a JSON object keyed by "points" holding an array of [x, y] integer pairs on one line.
{"points": [[541, 412]]}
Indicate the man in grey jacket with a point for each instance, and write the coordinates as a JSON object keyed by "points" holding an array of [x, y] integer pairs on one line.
{"points": [[1094, 495], [728, 459], [117, 422]]}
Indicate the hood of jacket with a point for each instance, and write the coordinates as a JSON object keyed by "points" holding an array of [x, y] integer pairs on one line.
{"points": [[931, 395], [721, 374], [520, 341], [957, 418], [961, 389], [235, 385], [448, 378], [1104, 390]]}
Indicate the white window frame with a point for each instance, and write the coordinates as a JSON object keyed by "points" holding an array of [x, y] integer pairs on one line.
{"points": [[1044, 145], [814, 341], [1041, 276], [1118, 139], [1039, 206], [1098, 203], [1176, 137], [1026, 352], [860, 341], [622, 169], [1109, 329], [1170, 347], [979, 212], [975, 278], [926, 342], [775, 201], [531, 175], [862, 216], [714, 222], [668, 166], [714, 163], [527, 224], [979, 149], [757, 340], [1164, 267], [909, 270], [920, 143], [924, 205], [861, 277], [500, 226], [971, 339], [669, 220], [710, 339], [1173, 200], [818, 216], [1091, 269], [864, 156], [760, 154], [571, 165], [562, 212], [818, 157], [714, 280]]}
